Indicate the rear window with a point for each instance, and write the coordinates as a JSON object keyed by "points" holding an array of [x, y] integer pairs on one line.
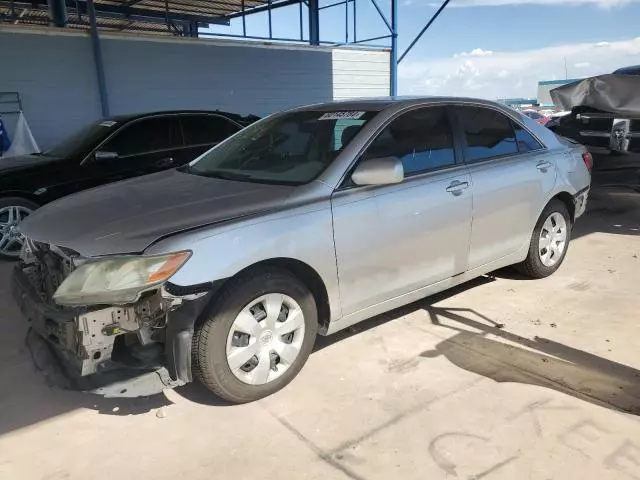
{"points": [[488, 133], [206, 129], [526, 141]]}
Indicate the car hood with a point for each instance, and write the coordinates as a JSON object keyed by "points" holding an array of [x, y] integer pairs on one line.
{"points": [[126, 217], [24, 162]]}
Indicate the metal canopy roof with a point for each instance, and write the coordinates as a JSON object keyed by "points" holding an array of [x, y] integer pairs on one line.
{"points": [[154, 16]]}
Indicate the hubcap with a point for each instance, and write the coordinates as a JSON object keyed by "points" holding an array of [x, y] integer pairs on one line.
{"points": [[553, 239], [11, 239], [265, 339]]}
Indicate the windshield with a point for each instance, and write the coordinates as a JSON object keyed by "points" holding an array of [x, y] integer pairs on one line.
{"points": [[83, 140], [289, 149]]}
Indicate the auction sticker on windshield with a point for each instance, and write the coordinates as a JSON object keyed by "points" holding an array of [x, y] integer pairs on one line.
{"points": [[108, 123], [341, 115]]}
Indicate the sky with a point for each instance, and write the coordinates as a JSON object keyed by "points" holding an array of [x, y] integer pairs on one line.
{"points": [[486, 48]]}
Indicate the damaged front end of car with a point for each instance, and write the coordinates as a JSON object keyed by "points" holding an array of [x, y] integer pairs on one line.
{"points": [[110, 313]]}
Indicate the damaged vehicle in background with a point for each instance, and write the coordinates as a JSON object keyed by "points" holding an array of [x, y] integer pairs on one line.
{"points": [[605, 117], [106, 151], [306, 222]]}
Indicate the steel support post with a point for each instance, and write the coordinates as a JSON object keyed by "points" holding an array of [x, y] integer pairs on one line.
{"points": [[314, 23], [394, 49], [97, 57]]}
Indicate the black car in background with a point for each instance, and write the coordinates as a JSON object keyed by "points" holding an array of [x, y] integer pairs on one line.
{"points": [[112, 149]]}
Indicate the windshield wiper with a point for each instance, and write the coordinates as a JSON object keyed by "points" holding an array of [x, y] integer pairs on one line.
{"points": [[222, 175]]}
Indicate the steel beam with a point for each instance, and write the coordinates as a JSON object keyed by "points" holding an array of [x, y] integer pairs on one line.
{"points": [[97, 57], [264, 8], [145, 15], [366, 40], [314, 22], [393, 84], [382, 15], [426, 27], [58, 13]]}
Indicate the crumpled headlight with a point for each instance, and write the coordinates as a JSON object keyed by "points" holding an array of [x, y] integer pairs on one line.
{"points": [[117, 280]]}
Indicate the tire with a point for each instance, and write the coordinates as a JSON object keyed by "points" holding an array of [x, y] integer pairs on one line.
{"points": [[534, 266], [9, 243], [215, 343]]}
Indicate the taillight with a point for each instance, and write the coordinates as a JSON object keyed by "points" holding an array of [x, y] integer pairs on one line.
{"points": [[588, 160]]}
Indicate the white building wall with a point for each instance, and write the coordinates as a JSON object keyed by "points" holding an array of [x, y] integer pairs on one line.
{"points": [[360, 73]]}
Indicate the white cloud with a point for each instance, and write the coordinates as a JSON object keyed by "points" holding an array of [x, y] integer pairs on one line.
{"points": [[485, 3], [476, 52], [513, 74]]}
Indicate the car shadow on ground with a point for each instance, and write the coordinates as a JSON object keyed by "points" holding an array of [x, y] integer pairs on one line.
{"points": [[482, 346], [537, 361]]}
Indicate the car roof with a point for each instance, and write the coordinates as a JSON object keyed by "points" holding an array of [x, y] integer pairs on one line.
{"points": [[382, 103], [135, 116], [634, 70]]}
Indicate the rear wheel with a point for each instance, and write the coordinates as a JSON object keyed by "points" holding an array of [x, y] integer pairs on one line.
{"points": [[12, 211], [549, 241], [257, 336]]}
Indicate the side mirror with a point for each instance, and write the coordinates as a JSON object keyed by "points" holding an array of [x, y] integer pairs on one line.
{"points": [[379, 171], [100, 156]]}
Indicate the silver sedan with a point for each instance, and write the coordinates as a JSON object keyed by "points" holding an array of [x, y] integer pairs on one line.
{"points": [[302, 224]]}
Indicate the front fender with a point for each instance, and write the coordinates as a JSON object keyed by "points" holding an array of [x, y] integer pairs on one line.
{"points": [[304, 234]]}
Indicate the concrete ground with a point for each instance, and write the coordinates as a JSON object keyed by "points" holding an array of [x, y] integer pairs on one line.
{"points": [[504, 378]]}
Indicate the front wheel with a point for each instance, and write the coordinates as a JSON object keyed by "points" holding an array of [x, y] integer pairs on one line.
{"points": [[549, 241], [256, 337], [12, 211]]}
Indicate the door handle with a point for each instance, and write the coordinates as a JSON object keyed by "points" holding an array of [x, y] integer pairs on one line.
{"points": [[457, 187], [543, 165]]}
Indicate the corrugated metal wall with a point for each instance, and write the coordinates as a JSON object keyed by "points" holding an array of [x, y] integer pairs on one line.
{"points": [[152, 75], [55, 74], [56, 77]]}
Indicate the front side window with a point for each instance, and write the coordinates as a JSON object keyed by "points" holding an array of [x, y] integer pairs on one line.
{"points": [[422, 139], [488, 133], [144, 136], [290, 149], [83, 141]]}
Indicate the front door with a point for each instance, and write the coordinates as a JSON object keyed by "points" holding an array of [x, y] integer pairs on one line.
{"points": [[512, 179], [394, 239]]}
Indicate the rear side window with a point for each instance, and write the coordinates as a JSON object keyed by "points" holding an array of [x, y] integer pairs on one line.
{"points": [[206, 129], [422, 139], [526, 141], [488, 133], [144, 136]]}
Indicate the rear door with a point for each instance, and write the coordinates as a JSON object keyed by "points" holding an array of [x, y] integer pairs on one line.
{"points": [[203, 131], [141, 147], [512, 178], [393, 239]]}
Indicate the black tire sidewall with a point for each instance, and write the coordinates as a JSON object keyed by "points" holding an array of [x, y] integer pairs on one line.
{"points": [[220, 317], [534, 260]]}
